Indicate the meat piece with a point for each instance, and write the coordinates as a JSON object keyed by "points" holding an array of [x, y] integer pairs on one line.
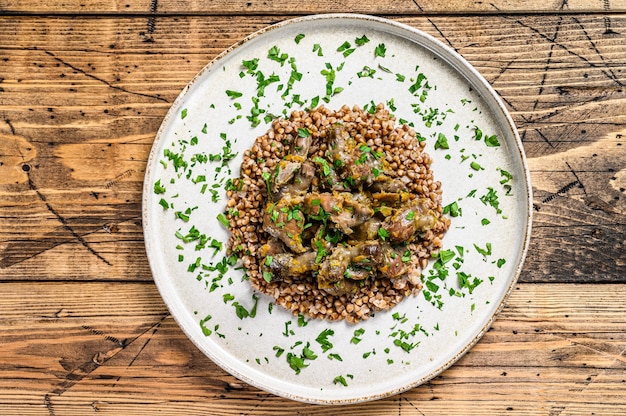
{"points": [[367, 230], [334, 266], [293, 170], [301, 145], [272, 247], [285, 171], [328, 177], [413, 274], [407, 221], [359, 170], [284, 220], [304, 177], [342, 287], [355, 262], [384, 183], [355, 163], [341, 145], [317, 204], [345, 210], [352, 211], [283, 265], [396, 262], [299, 183], [390, 199], [357, 273]]}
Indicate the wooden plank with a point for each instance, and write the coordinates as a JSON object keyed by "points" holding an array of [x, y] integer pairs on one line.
{"points": [[77, 348], [81, 100], [290, 7]]}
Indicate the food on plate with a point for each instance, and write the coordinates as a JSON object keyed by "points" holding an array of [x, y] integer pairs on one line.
{"points": [[336, 213]]}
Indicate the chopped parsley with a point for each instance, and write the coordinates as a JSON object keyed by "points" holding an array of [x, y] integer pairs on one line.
{"points": [[275, 55], [380, 50], [356, 338], [492, 141], [340, 380], [233, 94], [158, 188], [346, 49], [491, 199], [442, 142], [223, 220], [323, 340], [361, 41]]}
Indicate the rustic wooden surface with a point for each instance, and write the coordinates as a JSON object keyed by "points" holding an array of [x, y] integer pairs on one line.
{"points": [[83, 89]]}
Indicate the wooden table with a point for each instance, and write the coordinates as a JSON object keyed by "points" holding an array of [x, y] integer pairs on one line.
{"points": [[84, 86]]}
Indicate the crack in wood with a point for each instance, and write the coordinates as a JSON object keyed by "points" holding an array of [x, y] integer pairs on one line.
{"points": [[588, 62], [145, 344], [105, 82], [582, 186], [413, 406], [65, 223], [543, 137], [13, 257], [6, 120], [597, 51], [101, 359], [502, 71], [418, 6], [442, 34], [546, 68]]}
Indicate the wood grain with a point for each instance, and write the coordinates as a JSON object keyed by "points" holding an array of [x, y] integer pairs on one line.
{"points": [[84, 86], [289, 7], [77, 120], [112, 348]]}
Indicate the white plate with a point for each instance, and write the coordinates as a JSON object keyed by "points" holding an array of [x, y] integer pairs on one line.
{"points": [[205, 117]]}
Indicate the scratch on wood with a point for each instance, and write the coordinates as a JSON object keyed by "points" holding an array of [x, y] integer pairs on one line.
{"points": [[556, 410], [418, 6], [610, 74], [587, 61], [120, 178], [104, 335], [65, 224], [582, 186], [90, 365], [48, 403], [501, 72], [442, 34], [6, 120], [107, 83], [544, 138], [608, 30], [151, 21], [145, 344], [20, 254], [546, 68], [561, 191], [413, 406]]}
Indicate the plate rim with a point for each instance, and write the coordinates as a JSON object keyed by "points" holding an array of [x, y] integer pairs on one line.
{"points": [[455, 61]]}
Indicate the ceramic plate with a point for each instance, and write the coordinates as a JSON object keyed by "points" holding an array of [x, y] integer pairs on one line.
{"points": [[335, 60]]}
